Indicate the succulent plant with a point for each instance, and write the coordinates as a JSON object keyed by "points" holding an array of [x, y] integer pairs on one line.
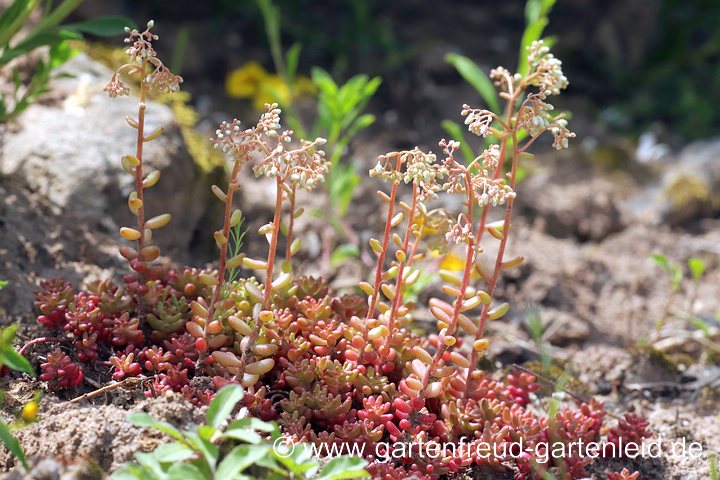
{"points": [[347, 370]]}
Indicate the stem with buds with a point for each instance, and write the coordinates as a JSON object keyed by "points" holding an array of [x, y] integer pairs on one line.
{"points": [[279, 194], [384, 246], [405, 261], [446, 337]]}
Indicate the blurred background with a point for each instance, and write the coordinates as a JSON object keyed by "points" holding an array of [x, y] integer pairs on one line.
{"points": [[634, 66]]}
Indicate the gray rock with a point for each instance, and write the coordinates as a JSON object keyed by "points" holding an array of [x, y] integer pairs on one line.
{"points": [[69, 151], [691, 182]]}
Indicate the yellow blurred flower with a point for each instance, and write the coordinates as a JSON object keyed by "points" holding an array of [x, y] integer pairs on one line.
{"points": [[272, 89], [452, 262], [455, 263], [30, 411], [244, 82], [252, 81]]}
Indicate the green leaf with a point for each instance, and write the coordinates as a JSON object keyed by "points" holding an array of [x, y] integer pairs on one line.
{"points": [[341, 184], [361, 123], [8, 355], [173, 452], [185, 471], [700, 324], [475, 77], [246, 430], [223, 403], [243, 435], [255, 424], [207, 432], [3, 284], [672, 269], [207, 450], [15, 361], [697, 268], [13, 19], [150, 464], [102, 27], [323, 80], [292, 58], [342, 253], [536, 19], [52, 18], [12, 444], [239, 459], [40, 40], [131, 471], [61, 53], [344, 467], [661, 260], [145, 420], [7, 335], [268, 462], [300, 460]]}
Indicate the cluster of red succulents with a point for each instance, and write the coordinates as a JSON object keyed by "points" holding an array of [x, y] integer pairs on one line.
{"points": [[328, 382], [59, 371]]}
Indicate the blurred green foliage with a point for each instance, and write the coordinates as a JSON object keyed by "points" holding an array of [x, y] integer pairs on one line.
{"points": [[16, 40], [677, 84]]}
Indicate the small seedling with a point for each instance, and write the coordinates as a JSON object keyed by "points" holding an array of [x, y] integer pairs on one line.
{"points": [[696, 268]]}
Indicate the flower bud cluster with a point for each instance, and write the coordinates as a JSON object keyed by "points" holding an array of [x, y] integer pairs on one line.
{"points": [[477, 120], [546, 70], [142, 54], [411, 166]]}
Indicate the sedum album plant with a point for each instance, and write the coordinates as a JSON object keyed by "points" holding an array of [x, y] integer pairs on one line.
{"points": [[152, 74], [350, 373]]}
